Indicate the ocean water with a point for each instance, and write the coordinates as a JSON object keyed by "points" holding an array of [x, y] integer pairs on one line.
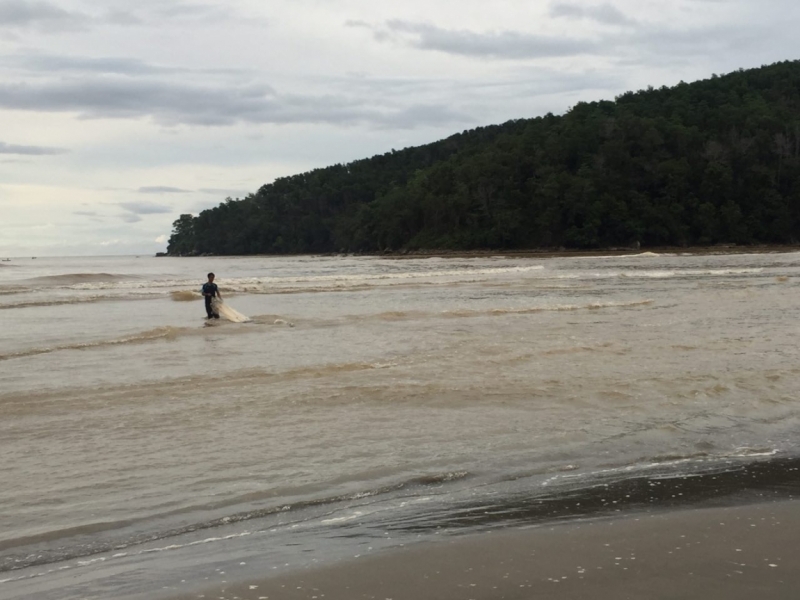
{"points": [[371, 402]]}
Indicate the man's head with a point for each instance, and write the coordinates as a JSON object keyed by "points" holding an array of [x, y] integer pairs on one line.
{"points": [[211, 277]]}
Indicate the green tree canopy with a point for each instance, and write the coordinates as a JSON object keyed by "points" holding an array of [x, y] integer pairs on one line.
{"points": [[702, 163]]}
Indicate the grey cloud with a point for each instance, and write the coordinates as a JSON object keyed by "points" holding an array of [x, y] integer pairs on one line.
{"points": [[368, 84], [48, 16], [573, 11], [641, 43], [167, 102], [131, 218], [656, 46], [192, 10], [145, 208], [504, 44], [422, 115], [41, 15], [173, 103], [161, 189], [122, 17], [158, 12], [29, 150], [45, 64], [519, 81], [85, 213], [637, 42], [602, 13], [693, 40], [543, 82], [357, 23]]}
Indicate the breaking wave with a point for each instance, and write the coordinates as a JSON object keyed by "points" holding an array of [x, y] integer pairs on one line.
{"points": [[690, 273], [79, 278], [57, 552], [59, 302], [185, 295], [101, 281]]}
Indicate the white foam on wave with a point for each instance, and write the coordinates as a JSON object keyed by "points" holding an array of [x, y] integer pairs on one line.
{"points": [[524, 310], [626, 469], [659, 274], [210, 540], [347, 281], [344, 519], [244, 283], [746, 452], [691, 273]]}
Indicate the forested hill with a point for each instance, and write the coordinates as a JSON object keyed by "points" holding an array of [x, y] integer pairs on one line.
{"points": [[696, 164]]}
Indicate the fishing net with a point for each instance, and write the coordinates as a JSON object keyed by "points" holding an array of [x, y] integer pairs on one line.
{"points": [[226, 312]]}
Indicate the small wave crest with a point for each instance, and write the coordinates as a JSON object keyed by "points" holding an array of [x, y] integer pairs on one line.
{"points": [[667, 274], [747, 452], [185, 295], [552, 308], [145, 336], [8, 289], [53, 302], [348, 282], [78, 278]]}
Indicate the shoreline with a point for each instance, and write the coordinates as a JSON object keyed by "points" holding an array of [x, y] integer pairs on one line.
{"points": [[721, 534], [723, 249], [735, 552]]}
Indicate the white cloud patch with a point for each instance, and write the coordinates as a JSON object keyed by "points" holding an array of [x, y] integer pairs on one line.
{"points": [[161, 189]]}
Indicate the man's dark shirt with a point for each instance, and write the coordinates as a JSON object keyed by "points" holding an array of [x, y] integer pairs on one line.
{"points": [[210, 288]]}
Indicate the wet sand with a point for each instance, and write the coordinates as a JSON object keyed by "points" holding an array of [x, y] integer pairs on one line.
{"points": [[737, 552]]}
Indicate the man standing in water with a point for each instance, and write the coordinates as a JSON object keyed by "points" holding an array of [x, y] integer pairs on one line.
{"points": [[210, 290]]}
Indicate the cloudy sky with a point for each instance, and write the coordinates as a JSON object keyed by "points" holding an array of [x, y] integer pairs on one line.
{"points": [[118, 116]]}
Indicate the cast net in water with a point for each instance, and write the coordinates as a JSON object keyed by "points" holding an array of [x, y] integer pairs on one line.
{"points": [[226, 312]]}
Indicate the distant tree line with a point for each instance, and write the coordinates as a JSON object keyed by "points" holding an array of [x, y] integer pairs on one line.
{"points": [[717, 161]]}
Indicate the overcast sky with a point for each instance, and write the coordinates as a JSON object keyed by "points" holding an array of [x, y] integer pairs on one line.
{"points": [[118, 116]]}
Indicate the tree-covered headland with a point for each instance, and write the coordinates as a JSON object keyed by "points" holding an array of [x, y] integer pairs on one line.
{"points": [[716, 161]]}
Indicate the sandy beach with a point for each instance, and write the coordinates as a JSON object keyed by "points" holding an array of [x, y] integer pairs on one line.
{"points": [[739, 552]]}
